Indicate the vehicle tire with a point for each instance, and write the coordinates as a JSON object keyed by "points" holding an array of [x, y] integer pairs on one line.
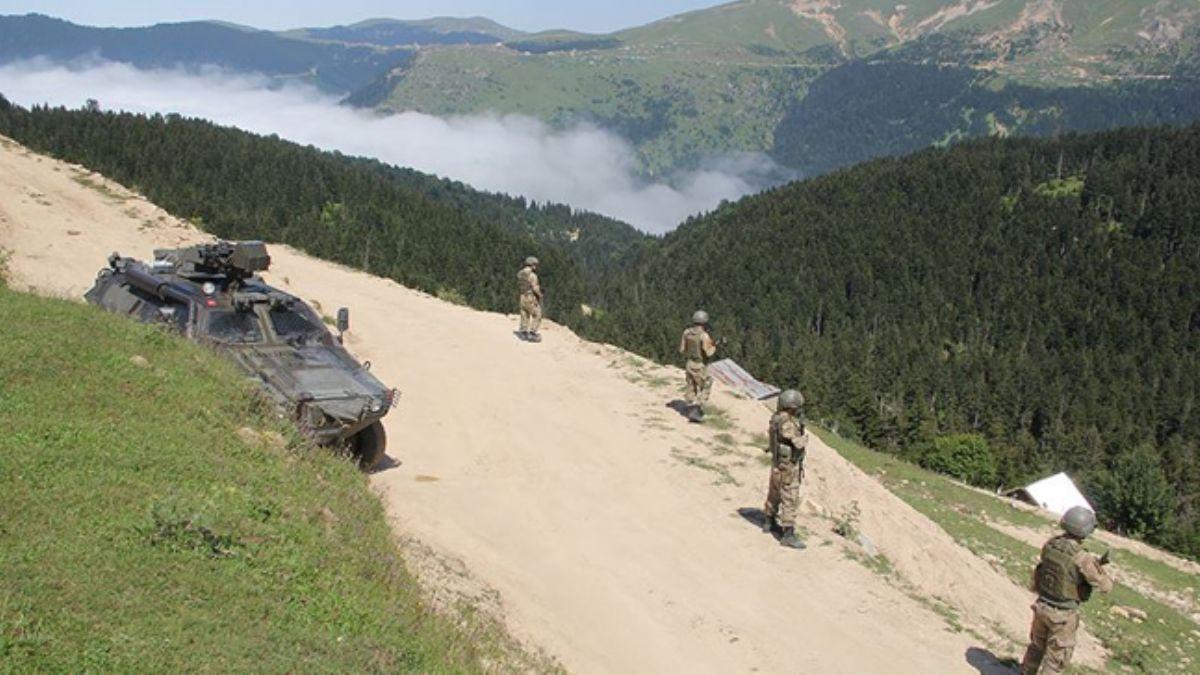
{"points": [[369, 446]]}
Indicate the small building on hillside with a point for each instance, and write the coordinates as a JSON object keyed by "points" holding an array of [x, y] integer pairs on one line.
{"points": [[1055, 494]]}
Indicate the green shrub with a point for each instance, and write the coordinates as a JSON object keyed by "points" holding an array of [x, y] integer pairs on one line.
{"points": [[963, 456], [1135, 496]]}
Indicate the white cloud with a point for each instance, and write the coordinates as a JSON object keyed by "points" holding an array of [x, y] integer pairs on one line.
{"points": [[586, 167]]}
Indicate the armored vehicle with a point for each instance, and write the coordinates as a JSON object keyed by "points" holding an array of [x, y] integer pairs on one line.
{"points": [[211, 294]]}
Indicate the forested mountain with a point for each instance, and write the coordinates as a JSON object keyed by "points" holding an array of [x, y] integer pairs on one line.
{"points": [[1044, 295], [425, 232], [330, 66], [864, 110]]}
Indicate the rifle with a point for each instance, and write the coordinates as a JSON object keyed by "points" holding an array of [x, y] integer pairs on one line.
{"points": [[1106, 558]]}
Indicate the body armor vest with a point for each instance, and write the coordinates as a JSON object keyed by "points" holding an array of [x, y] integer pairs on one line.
{"points": [[1057, 577], [693, 344], [781, 449], [525, 281]]}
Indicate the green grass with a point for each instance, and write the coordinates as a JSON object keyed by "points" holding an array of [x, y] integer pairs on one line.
{"points": [[140, 532], [98, 186], [717, 418], [1158, 645]]}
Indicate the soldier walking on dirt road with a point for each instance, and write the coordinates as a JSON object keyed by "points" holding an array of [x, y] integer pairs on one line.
{"points": [[697, 347], [787, 441], [1064, 579], [531, 301]]}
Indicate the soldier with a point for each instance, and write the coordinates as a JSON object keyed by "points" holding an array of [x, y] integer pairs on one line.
{"points": [[787, 442], [531, 301], [1063, 580], [697, 346]]}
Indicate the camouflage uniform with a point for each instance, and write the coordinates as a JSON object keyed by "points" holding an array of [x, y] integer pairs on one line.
{"points": [[1064, 579], [787, 443], [697, 346], [531, 300]]}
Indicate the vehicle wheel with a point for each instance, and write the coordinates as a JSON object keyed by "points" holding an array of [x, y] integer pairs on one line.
{"points": [[369, 446]]}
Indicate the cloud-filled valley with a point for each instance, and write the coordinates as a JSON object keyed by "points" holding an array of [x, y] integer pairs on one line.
{"points": [[584, 166]]}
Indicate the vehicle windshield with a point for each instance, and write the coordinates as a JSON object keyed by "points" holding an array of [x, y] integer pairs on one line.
{"points": [[291, 324], [229, 326]]}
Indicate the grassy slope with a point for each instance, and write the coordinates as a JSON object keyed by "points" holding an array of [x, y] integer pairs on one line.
{"points": [[138, 531], [675, 104], [1166, 642]]}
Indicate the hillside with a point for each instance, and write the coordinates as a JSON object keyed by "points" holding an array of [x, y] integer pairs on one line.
{"points": [[575, 566], [724, 79], [610, 532], [973, 291], [1041, 294], [156, 517]]}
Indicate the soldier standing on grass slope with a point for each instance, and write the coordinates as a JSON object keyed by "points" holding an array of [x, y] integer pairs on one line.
{"points": [[787, 441], [531, 301], [1064, 579], [697, 347]]}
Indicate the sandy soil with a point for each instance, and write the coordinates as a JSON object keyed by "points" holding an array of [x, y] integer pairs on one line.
{"points": [[607, 526]]}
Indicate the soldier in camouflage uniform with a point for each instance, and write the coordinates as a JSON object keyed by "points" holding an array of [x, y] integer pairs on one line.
{"points": [[787, 441], [697, 347], [1064, 579], [531, 301]]}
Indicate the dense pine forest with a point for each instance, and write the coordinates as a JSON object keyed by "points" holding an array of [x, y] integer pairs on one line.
{"points": [[998, 311]]}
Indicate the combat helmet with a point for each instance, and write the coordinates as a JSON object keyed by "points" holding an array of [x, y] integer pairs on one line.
{"points": [[1078, 521], [790, 399], [700, 318], [531, 262]]}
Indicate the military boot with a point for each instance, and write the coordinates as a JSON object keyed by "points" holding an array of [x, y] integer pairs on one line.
{"points": [[790, 539], [768, 524], [533, 337], [695, 414]]}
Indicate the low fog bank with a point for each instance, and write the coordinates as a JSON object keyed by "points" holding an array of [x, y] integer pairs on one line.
{"points": [[585, 167]]}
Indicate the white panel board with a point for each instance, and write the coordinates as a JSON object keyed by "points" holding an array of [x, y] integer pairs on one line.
{"points": [[729, 373], [1056, 494]]}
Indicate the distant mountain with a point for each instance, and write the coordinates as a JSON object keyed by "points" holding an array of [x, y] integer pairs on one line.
{"points": [[396, 33], [331, 66], [817, 84], [724, 79]]}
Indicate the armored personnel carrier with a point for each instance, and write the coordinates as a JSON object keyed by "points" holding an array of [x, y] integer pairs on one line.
{"points": [[211, 294]]}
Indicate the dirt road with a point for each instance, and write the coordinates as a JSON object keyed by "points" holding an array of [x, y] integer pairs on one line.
{"points": [[557, 474]]}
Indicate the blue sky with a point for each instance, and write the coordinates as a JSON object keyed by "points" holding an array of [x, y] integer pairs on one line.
{"points": [[585, 15]]}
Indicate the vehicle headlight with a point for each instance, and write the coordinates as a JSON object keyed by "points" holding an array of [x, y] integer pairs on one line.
{"points": [[376, 406]]}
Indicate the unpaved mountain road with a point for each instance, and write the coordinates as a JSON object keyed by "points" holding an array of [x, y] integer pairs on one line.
{"points": [[559, 477]]}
